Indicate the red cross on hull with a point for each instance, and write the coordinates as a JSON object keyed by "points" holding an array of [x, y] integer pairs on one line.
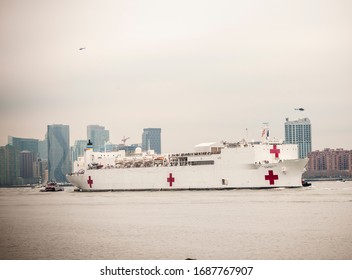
{"points": [[170, 179], [271, 177], [90, 182], [275, 151]]}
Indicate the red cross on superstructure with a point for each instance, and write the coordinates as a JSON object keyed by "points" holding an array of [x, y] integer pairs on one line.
{"points": [[170, 179], [90, 181], [271, 177], [275, 151]]}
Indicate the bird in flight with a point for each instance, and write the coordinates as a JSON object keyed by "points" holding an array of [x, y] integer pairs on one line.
{"points": [[81, 49], [299, 109]]}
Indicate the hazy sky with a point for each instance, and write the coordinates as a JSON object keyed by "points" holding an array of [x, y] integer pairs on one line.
{"points": [[200, 70]]}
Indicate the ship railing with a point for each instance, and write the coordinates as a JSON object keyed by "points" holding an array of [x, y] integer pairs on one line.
{"points": [[182, 159], [264, 162]]}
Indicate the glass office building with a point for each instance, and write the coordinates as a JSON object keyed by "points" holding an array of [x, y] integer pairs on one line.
{"points": [[58, 152], [151, 139], [299, 132], [98, 135], [24, 144], [9, 165], [78, 149]]}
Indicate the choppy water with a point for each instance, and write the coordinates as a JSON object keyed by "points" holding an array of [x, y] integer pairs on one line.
{"points": [[306, 223]]}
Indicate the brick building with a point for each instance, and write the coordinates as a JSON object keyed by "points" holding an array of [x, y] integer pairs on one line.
{"points": [[330, 163]]}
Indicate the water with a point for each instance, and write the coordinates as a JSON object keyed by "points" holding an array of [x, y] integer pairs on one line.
{"points": [[305, 223]]}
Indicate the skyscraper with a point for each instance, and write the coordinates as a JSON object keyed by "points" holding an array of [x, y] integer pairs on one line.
{"points": [[299, 132], [98, 135], [43, 148], [24, 144], [9, 165], [27, 163], [28, 153], [58, 152], [78, 149], [151, 139]]}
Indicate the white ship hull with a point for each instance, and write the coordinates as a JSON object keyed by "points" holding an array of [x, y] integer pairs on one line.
{"points": [[253, 166]]}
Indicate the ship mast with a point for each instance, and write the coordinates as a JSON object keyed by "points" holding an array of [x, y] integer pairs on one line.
{"points": [[265, 133]]}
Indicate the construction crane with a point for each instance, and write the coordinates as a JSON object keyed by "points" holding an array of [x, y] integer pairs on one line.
{"points": [[124, 139]]}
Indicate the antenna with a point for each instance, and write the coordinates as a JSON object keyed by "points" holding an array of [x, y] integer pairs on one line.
{"points": [[246, 134]]}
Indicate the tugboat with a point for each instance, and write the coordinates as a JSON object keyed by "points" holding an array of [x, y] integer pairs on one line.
{"points": [[306, 183], [52, 186]]}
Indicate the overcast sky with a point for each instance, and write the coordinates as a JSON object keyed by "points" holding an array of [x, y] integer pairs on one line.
{"points": [[200, 70]]}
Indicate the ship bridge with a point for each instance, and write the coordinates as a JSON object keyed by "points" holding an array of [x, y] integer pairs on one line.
{"points": [[212, 147]]}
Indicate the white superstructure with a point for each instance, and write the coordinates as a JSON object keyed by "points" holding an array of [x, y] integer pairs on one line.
{"points": [[219, 165]]}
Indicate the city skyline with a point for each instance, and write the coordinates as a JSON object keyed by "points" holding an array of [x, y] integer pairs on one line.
{"points": [[139, 141], [201, 71]]}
